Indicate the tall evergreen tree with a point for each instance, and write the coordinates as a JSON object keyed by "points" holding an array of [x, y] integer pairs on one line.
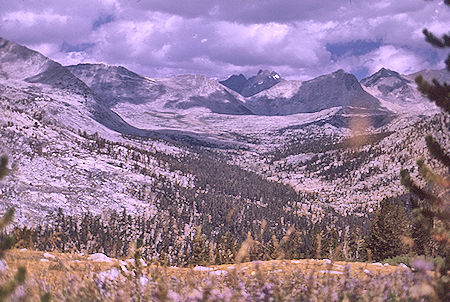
{"points": [[315, 243], [437, 92], [388, 227], [200, 248], [330, 243], [226, 249], [432, 212], [294, 248]]}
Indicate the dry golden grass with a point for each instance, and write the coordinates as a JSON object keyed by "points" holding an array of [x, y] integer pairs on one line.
{"points": [[74, 277], [55, 271]]}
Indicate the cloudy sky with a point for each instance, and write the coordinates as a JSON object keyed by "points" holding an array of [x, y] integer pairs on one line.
{"points": [[299, 39]]}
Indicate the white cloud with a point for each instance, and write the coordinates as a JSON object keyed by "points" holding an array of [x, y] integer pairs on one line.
{"points": [[398, 59], [27, 18], [222, 37]]}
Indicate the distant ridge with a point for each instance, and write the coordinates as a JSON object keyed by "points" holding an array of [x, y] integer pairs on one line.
{"points": [[266, 93], [119, 85]]}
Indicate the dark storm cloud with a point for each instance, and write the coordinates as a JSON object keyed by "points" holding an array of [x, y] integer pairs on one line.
{"points": [[285, 11], [299, 39]]}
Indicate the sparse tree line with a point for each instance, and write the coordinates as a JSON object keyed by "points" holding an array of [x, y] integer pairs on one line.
{"points": [[166, 240], [326, 144]]}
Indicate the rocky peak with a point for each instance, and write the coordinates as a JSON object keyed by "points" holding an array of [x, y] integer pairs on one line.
{"points": [[393, 88], [339, 78], [382, 74], [235, 82], [263, 80]]}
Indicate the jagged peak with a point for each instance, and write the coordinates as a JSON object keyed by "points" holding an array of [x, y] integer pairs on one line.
{"points": [[100, 66], [20, 51], [192, 76], [386, 72], [382, 74], [338, 74], [264, 72], [4, 42], [267, 73], [237, 76], [263, 80]]}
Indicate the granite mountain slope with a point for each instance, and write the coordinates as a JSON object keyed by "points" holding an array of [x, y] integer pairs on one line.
{"points": [[194, 100], [398, 92], [290, 169], [25, 68]]}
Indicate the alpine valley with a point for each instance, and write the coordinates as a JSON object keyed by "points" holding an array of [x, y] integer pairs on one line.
{"points": [[233, 156]]}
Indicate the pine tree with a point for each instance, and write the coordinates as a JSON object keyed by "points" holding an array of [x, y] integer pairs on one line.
{"points": [[6, 242], [226, 249], [432, 211], [389, 226], [330, 242], [294, 247], [200, 248], [3, 166], [315, 243], [352, 243], [439, 93]]}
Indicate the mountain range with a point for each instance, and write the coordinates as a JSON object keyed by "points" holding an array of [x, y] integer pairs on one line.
{"points": [[117, 85], [93, 137], [266, 94]]}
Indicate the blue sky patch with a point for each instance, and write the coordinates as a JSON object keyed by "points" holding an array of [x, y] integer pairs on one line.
{"points": [[360, 73], [66, 47], [352, 48], [102, 20]]}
